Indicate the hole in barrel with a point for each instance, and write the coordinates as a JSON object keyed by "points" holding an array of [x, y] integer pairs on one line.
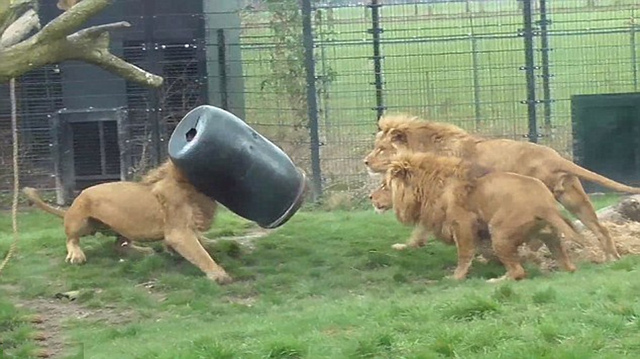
{"points": [[191, 134]]}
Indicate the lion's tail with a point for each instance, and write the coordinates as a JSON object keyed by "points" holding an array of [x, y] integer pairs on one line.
{"points": [[584, 173], [563, 225], [33, 196]]}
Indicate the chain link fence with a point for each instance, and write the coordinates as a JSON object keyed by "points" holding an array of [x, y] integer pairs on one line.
{"points": [[314, 76]]}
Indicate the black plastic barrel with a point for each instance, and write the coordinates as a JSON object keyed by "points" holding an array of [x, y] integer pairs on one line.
{"points": [[228, 161]]}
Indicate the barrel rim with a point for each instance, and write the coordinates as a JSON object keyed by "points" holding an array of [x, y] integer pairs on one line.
{"points": [[297, 203]]}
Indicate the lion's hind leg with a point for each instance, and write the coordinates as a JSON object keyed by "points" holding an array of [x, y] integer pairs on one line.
{"points": [[125, 247], [505, 244], [557, 249], [561, 227], [77, 224], [75, 255], [573, 197]]}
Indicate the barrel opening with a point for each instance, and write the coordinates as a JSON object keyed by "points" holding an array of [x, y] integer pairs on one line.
{"points": [[191, 134]]}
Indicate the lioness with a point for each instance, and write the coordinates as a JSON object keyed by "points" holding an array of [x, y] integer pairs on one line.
{"points": [[451, 197], [163, 206], [561, 176]]}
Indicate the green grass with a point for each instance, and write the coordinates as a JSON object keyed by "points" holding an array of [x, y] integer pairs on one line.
{"points": [[14, 331], [325, 285]]}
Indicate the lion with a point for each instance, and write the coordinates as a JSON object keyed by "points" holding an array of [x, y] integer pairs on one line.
{"points": [[452, 197], [561, 176], [162, 206], [382, 202]]}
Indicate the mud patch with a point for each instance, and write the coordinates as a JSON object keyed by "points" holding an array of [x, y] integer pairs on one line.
{"points": [[49, 318]]}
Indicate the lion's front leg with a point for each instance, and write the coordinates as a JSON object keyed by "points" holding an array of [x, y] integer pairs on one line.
{"points": [[179, 229], [418, 239], [185, 242], [463, 235], [201, 238]]}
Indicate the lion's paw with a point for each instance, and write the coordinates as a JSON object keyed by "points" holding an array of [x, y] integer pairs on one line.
{"points": [[220, 277], [76, 257], [399, 246], [497, 280]]}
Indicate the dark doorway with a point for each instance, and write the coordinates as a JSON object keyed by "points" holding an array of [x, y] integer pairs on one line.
{"points": [[606, 132], [90, 147]]}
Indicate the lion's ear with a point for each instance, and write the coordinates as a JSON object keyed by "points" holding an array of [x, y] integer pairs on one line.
{"points": [[398, 136], [399, 170]]}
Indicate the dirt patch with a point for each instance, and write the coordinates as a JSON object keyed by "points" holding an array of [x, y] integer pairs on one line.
{"points": [[625, 235], [248, 239], [49, 318]]}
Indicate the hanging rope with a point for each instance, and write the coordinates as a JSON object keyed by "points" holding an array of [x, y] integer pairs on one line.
{"points": [[16, 172]]}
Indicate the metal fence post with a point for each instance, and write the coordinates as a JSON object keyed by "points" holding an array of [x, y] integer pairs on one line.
{"points": [[376, 30], [312, 101], [529, 69], [222, 66], [546, 76], [153, 106], [634, 56], [475, 64]]}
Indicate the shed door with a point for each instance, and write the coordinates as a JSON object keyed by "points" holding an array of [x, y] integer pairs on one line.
{"points": [[607, 137]]}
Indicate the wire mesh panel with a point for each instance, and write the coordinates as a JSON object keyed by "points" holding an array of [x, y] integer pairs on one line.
{"points": [[139, 107], [314, 75], [345, 70], [273, 70], [150, 110], [594, 49], [39, 93], [276, 96], [457, 62]]}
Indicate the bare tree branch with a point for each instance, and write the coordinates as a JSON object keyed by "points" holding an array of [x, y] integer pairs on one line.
{"points": [[11, 10], [71, 20], [96, 31], [56, 43], [22, 27]]}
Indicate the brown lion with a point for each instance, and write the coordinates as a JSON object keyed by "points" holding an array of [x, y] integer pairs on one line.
{"points": [[381, 200], [561, 176], [453, 198], [162, 206]]}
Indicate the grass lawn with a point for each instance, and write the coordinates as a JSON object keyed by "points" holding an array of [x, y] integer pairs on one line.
{"points": [[325, 285]]}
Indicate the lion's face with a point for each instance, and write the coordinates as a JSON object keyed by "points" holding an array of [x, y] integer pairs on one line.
{"points": [[379, 159], [381, 199]]}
